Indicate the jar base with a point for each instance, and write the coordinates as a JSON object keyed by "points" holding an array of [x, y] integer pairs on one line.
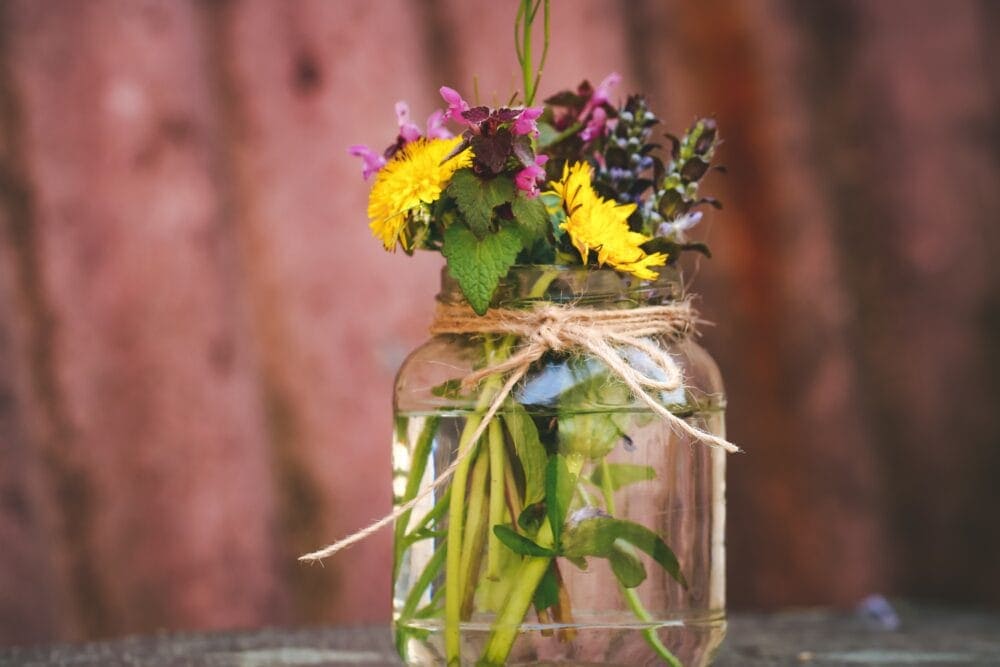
{"points": [[693, 641]]}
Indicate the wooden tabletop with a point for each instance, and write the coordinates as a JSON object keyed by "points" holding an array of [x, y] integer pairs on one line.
{"points": [[924, 636]]}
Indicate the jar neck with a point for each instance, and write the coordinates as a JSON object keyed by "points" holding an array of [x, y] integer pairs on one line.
{"points": [[584, 287]]}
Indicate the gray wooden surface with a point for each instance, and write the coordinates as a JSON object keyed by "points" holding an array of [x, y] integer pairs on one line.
{"points": [[925, 636]]}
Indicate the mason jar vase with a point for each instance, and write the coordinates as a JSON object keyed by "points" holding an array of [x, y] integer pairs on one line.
{"points": [[625, 601]]}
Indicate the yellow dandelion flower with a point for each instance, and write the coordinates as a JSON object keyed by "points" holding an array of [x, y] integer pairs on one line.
{"points": [[415, 175], [601, 225]]}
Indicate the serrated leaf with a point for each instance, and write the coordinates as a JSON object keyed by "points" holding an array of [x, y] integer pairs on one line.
{"points": [[530, 451], [477, 197], [559, 486], [520, 544], [627, 568], [596, 537], [547, 592], [622, 474], [479, 264], [531, 217]]}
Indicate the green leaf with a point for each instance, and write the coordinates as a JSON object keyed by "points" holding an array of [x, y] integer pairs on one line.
{"points": [[596, 537], [448, 389], [547, 593], [530, 451], [559, 486], [622, 474], [592, 435], [520, 544], [477, 197], [546, 134], [554, 209], [531, 517], [591, 428], [646, 540], [478, 265], [531, 217], [627, 568]]}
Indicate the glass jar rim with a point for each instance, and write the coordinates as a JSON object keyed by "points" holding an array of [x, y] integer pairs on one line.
{"points": [[585, 286]]}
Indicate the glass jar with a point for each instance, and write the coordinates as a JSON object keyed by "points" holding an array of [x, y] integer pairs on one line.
{"points": [[634, 572]]}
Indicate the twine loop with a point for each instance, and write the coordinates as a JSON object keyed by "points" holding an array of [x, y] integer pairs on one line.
{"points": [[622, 339]]}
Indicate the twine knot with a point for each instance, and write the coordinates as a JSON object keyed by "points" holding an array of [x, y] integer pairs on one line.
{"points": [[549, 332], [619, 338]]}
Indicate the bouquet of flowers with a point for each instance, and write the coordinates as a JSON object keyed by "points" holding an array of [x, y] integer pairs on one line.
{"points": [[495, 500]]}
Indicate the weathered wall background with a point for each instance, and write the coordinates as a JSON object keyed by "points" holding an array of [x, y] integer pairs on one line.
{"points": [[198, 336]]}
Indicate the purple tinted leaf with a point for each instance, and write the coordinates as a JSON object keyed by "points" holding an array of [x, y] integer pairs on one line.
{"points": [[476, 114], [566, 98], [505, 115], [492, 151]]}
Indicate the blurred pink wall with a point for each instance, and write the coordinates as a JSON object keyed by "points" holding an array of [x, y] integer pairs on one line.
{"points": [[198, 334]]}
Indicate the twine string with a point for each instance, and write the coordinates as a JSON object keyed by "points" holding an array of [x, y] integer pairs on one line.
{"points": [[607, 335]]}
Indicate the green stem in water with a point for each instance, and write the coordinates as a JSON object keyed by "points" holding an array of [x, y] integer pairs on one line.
{"points": [[423, 581], [508, 621], [497, 509], [436, 512], [418, 465], [475, 532], [454, 594], [453, 565], [630, 595]]}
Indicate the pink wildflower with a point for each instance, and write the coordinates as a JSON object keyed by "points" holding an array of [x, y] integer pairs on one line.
{"points": [[435, 126], [456, 105], [527, 179], [407, 131], [525, 123], [373, 161], [597, 125], [602, 94]]}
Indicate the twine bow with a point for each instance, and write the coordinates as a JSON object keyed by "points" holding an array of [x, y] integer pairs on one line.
{"points": [[607, 335]]}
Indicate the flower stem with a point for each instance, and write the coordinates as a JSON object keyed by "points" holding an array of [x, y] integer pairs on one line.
{"points": [[475, 532], [497, 508], [454, 583], [531, 75], [508, 621], [630, 595], [431, 570], [453, 563], [418, 464]]}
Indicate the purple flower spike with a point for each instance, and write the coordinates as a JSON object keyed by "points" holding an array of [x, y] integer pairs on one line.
{"points": [[456, 105], [373, 161], [525, 123], [407, 130], [435, 126], [527, 179]]}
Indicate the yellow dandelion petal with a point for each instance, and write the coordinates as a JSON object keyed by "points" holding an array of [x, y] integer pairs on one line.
{"points": [[601, 225], [415, 175]]}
